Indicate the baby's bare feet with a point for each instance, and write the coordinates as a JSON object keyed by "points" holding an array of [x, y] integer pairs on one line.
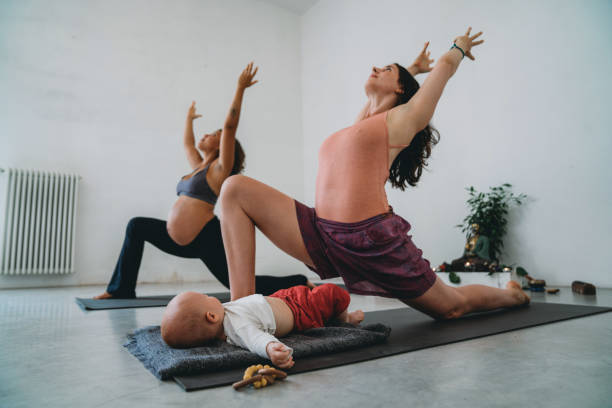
{"points": [[105, 295], [355, 317], [521, 296]]}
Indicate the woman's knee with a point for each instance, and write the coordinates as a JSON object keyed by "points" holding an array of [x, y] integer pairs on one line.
{"points": [[457, 309], [441, 302], [134, 226], [232, 186]]}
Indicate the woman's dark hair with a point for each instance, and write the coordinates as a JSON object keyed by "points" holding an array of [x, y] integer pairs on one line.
{"points": [[409, 163], [238, 158]]}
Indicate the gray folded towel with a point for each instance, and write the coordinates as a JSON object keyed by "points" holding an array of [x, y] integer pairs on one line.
{"points": [[166, 362]]}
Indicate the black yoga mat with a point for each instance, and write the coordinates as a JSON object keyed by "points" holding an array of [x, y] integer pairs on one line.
{"points": [[410, 331], [147, 301]]}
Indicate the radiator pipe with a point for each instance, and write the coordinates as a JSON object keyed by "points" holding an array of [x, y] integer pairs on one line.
{"points": [[2, 171]]}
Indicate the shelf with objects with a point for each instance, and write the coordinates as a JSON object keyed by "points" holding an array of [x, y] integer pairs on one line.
{"points": [[485, 227]]}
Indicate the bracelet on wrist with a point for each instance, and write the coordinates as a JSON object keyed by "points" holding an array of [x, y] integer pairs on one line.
{"points": [[460, 49]]}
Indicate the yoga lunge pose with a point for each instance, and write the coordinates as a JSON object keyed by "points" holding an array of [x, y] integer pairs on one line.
{"points": [[255, 322], [192, 229], [352, 232]]}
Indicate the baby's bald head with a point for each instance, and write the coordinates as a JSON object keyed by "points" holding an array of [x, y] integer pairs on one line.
{"points": [[192, 319]]}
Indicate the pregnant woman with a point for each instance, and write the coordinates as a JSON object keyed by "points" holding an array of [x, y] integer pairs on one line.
{"points": [[192, 229]]}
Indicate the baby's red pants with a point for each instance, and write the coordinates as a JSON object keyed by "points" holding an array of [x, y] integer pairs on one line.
{"points": [[314, 308]]}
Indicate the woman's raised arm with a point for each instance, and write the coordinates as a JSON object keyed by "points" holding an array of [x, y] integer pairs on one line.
{"points": [[228, 135], [408, 119], [193, 156]]}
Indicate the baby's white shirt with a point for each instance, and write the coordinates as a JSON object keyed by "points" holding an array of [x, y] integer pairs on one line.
{"points": [[249, 323]]}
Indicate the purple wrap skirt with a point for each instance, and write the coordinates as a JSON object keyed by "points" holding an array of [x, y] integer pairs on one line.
{"points": [[375, 256]]}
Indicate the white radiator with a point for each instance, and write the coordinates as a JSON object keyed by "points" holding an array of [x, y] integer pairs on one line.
{"points": [[39, 222]]}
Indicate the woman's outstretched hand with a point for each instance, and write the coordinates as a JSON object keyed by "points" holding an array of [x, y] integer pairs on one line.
{"points": [[191, 115], [465, 42], [422, 63], [246, 77]]}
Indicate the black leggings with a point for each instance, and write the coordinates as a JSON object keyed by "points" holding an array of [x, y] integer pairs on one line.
{"points": [[208, 246]]}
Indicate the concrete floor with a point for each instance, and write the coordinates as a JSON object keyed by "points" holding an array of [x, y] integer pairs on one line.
{"points": [[53, 354]]}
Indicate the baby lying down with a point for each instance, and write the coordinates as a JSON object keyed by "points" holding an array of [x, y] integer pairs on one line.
{"points": [[255, 322]]}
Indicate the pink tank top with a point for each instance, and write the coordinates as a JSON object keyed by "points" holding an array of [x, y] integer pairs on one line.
{"points": [[353, 169]]}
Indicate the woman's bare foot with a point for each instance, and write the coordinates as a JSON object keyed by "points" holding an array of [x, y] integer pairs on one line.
{"points": [[521, 296], [105, 295], [355, 317]]}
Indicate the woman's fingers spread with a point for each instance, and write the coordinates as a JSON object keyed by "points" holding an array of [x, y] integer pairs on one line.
{"points": [[468, 31], [254, 72], [477, 42], [425, 47], [476, 36]]}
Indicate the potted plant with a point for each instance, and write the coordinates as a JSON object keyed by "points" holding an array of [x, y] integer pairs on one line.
{"points": [[490, 211]]}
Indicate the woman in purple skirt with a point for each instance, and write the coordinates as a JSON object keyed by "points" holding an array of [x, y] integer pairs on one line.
{"points": [[352, 232]]}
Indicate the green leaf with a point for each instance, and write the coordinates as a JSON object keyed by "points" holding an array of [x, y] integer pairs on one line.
{"points": [[454, 278]]}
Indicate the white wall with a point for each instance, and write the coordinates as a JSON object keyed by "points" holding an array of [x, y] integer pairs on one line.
{"points": [[532, 110], [101, 88]]}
